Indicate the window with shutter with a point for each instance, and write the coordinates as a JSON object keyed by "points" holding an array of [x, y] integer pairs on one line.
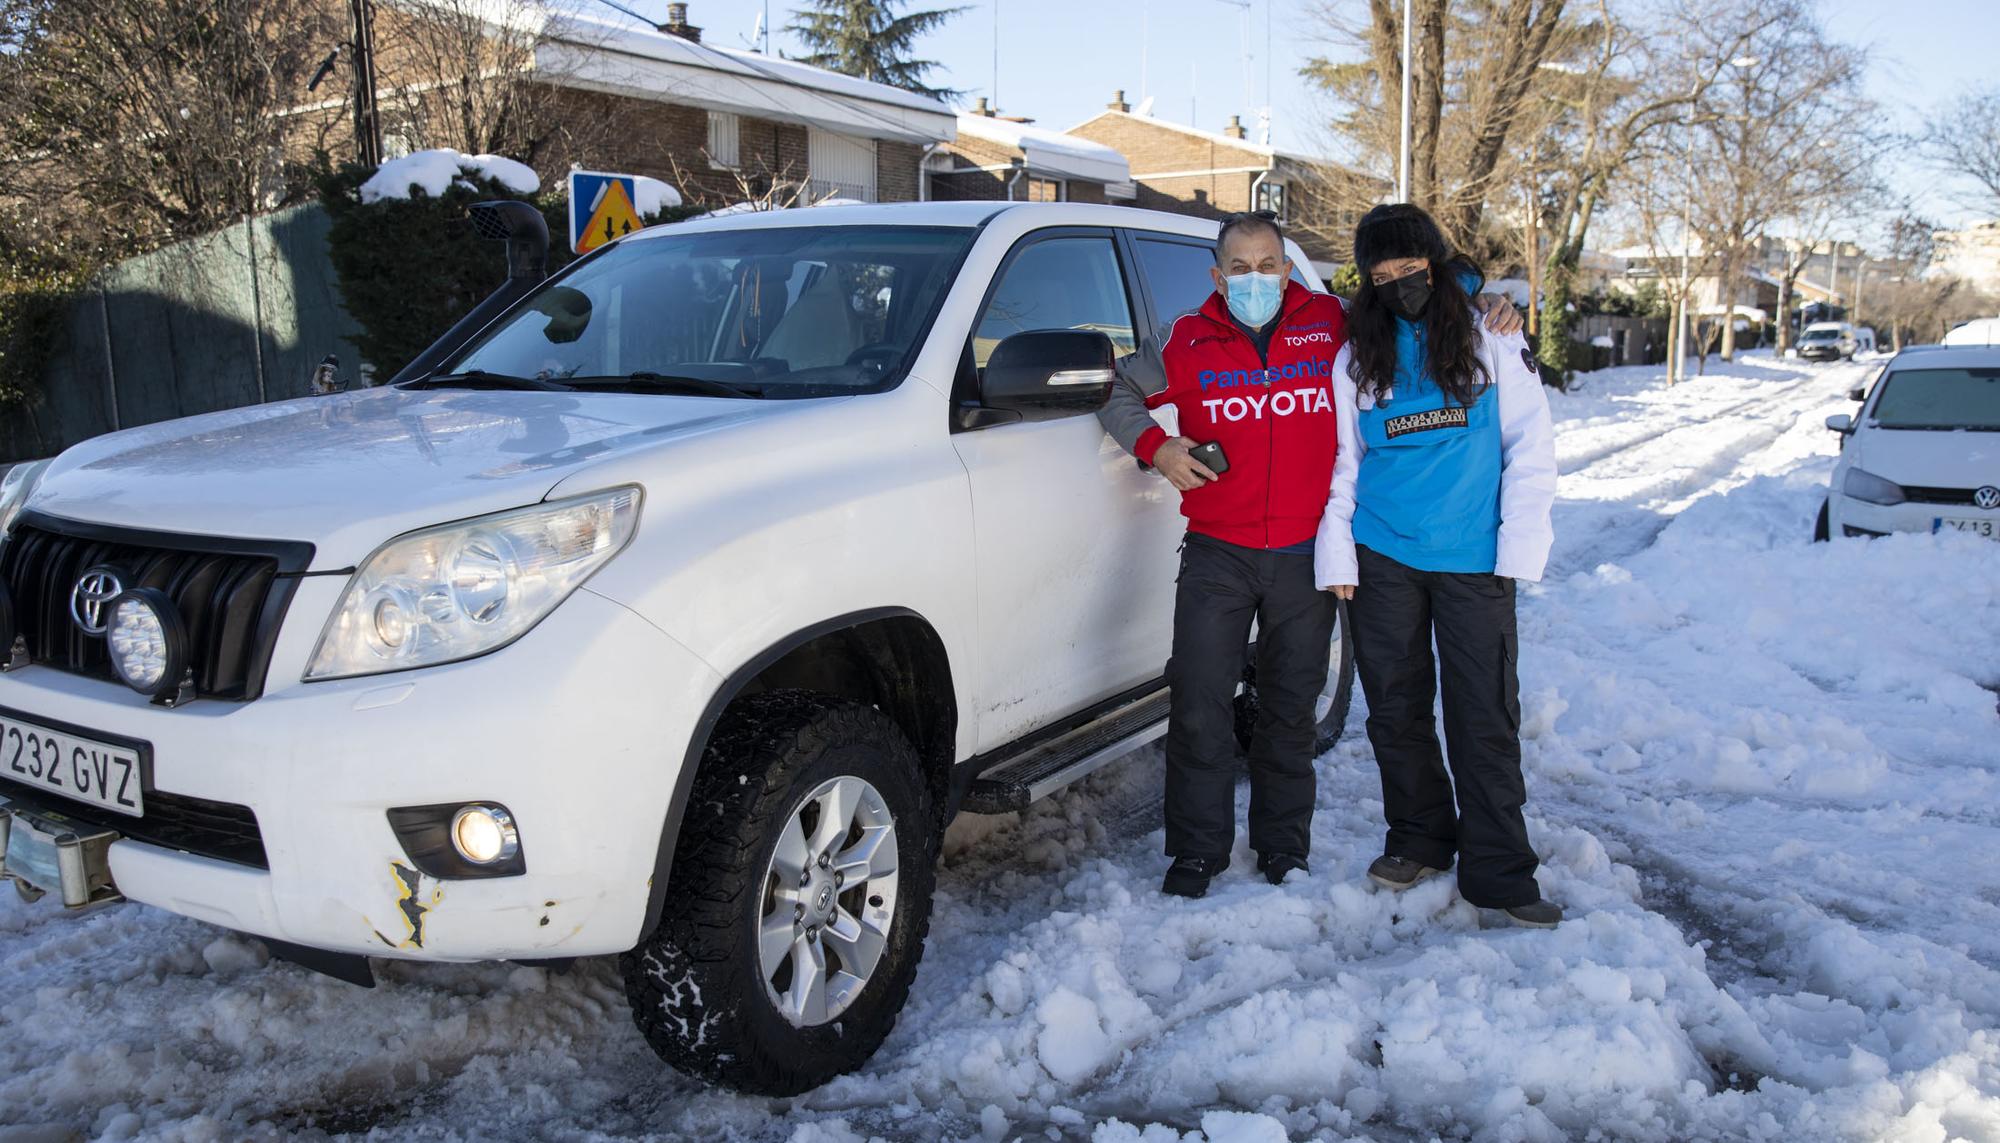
{"points": [[839, 166]]}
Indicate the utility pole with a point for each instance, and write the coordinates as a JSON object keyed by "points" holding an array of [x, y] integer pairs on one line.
{"points": [[367, 118]]}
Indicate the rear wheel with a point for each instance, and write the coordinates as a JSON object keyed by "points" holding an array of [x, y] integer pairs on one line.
{"points": [[799, 900], [1330, 709]]}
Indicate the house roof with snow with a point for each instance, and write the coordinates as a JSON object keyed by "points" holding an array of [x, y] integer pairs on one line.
{"points": [[1267, 153], [1045, 150], [624, 57]]}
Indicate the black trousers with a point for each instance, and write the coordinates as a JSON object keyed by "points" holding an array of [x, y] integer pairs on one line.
{"points": [[1396, 611], [1222, 588]]}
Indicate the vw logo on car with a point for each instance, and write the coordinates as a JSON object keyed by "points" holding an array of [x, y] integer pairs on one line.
{"points": [[94, 591], [1987, 497]]}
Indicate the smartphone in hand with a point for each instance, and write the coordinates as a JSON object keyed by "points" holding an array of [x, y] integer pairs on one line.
{"points": [[1210, 454]]}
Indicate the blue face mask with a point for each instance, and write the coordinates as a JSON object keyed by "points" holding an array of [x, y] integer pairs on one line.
{"points": [[1253, 297]]}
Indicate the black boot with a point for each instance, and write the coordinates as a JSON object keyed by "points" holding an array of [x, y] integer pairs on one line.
{"points": [[1274, 866], [1189, 876]]}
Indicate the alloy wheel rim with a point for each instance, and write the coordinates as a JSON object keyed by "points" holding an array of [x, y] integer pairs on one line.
{"points": [[829, 900], [1323, 705]]}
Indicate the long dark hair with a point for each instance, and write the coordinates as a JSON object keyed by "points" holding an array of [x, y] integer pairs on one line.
{"points": [[1401, 230]]}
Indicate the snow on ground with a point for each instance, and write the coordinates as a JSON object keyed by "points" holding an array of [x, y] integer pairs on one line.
{"points": [[1762, 778]]}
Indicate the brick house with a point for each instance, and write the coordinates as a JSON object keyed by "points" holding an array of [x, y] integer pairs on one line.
{"points": [[995, 158], [1187, 170], [719, 124]]}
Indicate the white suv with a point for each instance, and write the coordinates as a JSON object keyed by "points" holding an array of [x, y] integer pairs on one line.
{"points": [[671, 613], [1923, 453]]}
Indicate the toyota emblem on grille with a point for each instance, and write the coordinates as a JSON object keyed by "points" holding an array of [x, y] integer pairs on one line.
{"points": [[1987, 497], [93, 591]]}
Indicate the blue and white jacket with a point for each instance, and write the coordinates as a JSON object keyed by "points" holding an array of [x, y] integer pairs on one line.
{"points": [[1438, 486]]}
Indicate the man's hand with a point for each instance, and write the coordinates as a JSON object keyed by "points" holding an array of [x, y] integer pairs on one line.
{"points": [[1181, 470], [1501, 316], [1343, 590]]}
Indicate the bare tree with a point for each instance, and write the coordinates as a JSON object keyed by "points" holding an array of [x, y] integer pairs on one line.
{"points": [[142, 121], [1613, 83], [1785, 96], [1963, 142], [476, 77], [1475, 73]]}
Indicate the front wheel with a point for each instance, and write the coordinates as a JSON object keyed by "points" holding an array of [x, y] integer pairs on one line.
{"points": [[799, 899], [1329, 710], [1822, 526]]}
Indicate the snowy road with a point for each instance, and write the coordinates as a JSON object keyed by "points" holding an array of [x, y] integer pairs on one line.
{"points": [[1764, 776]]}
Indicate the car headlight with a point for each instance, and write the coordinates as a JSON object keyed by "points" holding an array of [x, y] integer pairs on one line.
{"points": [[1871, 488], [15, 488], [453, 592]]}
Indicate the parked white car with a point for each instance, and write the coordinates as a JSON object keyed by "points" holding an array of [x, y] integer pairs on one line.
{"points": [[1923, 453], [1978, 331], [1828, 341], [670, 613]]}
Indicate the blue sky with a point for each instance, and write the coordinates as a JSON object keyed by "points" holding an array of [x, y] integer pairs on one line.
{"points": [[1059, 60]]}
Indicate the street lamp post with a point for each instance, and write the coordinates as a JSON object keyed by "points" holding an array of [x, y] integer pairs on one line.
{"points": [[1403, 177]]}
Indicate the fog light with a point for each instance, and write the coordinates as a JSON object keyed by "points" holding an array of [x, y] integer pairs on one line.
{"points": [[147, 641], [484, 834]]}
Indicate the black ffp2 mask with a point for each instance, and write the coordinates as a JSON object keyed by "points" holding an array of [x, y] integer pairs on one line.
{"points": [[1408, 296]]}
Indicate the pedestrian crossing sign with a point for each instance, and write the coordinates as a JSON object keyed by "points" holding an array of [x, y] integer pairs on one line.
{"points": [[602, 207]]}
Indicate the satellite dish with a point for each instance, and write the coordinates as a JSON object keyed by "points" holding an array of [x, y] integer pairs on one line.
{"points": [[1145, 106]]}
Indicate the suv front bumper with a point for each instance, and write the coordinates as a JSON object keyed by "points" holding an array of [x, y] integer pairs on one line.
{"points": [[579, 729]]}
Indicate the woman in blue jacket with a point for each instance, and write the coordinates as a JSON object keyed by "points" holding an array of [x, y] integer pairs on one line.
{"points": [[1440, 506]]}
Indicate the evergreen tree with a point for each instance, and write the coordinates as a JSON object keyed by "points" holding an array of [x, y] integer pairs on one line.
{"points": [[866, 38]]}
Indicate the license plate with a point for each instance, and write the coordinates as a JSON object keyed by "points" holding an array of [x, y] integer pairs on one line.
{"points": [[71, 765], [1988, 528]]}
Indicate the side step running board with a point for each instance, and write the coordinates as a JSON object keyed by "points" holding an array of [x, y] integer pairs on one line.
{"points": [[1035, 773]]}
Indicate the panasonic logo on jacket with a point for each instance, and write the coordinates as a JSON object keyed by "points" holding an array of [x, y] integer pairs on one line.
{"points": [[1231, 378]]}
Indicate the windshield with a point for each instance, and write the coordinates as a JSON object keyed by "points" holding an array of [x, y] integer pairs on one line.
{"points": [[1939, 399], [1821, 335], [796, 312]]}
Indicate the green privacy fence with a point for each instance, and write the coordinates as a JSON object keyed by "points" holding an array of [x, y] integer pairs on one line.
{"points": [[234, 318]]}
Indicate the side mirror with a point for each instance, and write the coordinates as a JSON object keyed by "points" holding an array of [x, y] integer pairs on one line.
{"points": [[1043, 374], [1840, 423]]}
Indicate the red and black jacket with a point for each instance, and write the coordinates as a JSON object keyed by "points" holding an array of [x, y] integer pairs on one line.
{"points": [[1275, 420]]}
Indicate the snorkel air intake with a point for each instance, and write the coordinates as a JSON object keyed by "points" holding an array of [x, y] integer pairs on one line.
{"points": [[526, 234]]}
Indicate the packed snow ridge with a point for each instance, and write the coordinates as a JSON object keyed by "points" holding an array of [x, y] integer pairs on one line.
{"points": [[1762, 779]]}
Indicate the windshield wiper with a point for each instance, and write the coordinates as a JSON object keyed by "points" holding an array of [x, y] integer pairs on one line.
{"points": [[483, 379], [669, 383]]}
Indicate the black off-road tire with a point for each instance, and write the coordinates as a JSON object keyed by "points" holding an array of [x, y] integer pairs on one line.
{"points": [[1333, 724], [694, 985]]}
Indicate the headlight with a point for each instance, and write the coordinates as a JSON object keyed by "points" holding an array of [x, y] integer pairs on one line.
{"points": [[1871, 488], [15, 488], [465, 589]]}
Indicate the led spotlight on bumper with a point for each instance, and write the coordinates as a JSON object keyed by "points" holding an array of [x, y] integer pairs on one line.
{"points": [[460, 840], [148, 644]]}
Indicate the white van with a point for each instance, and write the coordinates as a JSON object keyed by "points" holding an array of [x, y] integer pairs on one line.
{"points": [[1828, 340]]}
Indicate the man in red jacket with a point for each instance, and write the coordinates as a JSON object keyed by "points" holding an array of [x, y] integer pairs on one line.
{"points": [[1249, 371]]}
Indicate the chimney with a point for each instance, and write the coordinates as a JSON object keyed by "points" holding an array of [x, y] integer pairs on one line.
{"points": [[1118, 101], [1235, 129], [980, 108], [677, 24]]}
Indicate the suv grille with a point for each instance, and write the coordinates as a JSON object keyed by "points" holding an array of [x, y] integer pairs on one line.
{"points": [[1960, 496], [222, 830], [231, 595]]}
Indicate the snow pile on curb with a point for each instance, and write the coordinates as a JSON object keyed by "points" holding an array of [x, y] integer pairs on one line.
{"points": [[435, 171]]}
